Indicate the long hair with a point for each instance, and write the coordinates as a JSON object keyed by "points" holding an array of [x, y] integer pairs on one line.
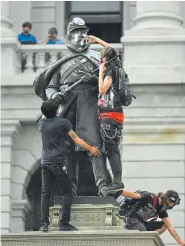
{"points": [[111, 53]]}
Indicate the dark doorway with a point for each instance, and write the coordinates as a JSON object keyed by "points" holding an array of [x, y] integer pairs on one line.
{"points": [[110, 32]]}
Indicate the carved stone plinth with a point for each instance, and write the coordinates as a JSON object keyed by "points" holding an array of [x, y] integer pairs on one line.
{"points": [[82, 238], [89, 213]]}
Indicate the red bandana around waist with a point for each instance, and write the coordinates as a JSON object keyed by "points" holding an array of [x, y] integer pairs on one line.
{"points": [[117, 116]]}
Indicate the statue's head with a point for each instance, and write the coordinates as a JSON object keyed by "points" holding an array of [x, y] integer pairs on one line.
{"points": [[77, 32]]}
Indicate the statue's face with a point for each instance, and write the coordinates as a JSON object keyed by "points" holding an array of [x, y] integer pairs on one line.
{"points": [[79, 38]]}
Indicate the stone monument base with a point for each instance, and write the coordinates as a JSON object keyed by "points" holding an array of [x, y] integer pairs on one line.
{"points": [[83, 238], [89, 213], [99, 224]]}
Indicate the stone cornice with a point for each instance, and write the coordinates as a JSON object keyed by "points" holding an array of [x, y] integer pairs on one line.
{"points": [[150, 124], [9, 42], [132, 40], [154, 131], [10, 127], [98, 237], [20, 206], [18, 80]]}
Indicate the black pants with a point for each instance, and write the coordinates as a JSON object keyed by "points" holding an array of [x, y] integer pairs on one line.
{"points": [[49, 173], [135, 223], [111, 135]]}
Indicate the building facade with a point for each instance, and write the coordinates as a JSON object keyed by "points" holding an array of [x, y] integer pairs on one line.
{"points": [[152, 35]]}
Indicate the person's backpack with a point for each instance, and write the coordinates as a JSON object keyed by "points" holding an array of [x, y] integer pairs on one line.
{"points": [[127, 204], [123, 91]]}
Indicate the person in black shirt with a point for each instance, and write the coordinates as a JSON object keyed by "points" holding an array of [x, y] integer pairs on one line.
{"points": [[54, 138], [148, 207], [111, 116]]}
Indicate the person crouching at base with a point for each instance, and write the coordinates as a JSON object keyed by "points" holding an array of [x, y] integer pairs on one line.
{"points": [[111, 117], [142, 209], [54, 130]]}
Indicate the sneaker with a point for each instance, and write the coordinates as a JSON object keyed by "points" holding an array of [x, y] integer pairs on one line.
{"points": [[112, 188], [67, 227], [44, 228]]}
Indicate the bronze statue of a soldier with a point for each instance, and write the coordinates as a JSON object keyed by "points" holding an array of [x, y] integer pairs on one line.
{"points": [[80, 103]]}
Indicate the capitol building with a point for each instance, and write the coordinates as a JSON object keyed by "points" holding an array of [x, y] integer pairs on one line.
{"points": [[150, 35]]}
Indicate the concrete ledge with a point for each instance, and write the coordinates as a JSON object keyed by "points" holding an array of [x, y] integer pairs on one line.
{"points": [[83, 238]]}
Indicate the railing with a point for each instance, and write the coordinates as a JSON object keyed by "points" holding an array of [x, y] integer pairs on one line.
{"points": [[33, 58]]}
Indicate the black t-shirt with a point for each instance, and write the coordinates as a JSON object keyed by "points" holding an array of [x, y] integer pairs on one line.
{"points": [[108, 102], [111, 71], [145, 206], [54, 138]]}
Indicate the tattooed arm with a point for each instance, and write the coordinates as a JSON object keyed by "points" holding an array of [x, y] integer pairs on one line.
{"points": [[83, 144]]}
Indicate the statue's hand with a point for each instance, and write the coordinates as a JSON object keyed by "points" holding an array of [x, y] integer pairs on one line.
{"points": [[87, 78], [58, 96], [93, 79]]}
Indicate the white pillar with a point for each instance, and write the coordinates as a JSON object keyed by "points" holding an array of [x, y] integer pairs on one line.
{"points": [[126, 16], [155, 47], [60, 18], [20, 209], [6, 23], [8, 42], [162, 15], [9, 131]]}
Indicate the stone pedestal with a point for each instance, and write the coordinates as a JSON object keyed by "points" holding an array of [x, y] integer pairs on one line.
{"points": [[89, 213], [154, 49]]}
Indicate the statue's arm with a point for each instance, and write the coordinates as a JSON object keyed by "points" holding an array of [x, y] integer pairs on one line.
{"points": [[53, 87]]}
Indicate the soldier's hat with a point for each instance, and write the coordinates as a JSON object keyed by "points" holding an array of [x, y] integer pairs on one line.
{"points": [[76, 23]]}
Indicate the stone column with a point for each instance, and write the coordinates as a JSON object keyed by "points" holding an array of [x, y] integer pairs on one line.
{"points": [[6, 23], [126, 16], [154, 49], [60, 18], [9, 130], [8, 41]]}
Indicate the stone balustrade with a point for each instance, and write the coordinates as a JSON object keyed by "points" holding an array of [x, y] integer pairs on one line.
{"points": [[33, 58]]}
